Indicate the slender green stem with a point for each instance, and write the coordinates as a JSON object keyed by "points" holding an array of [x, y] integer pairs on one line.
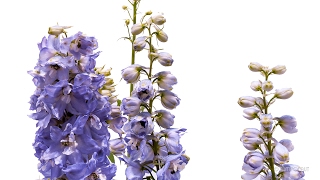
{"points": [[133, 53]]}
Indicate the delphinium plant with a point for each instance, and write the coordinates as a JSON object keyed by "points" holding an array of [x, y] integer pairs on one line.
{"points": [[268, 157], [72, 102], [149, 145]]}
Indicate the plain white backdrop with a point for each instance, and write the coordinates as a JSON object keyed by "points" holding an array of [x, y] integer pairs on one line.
{"points": [[212, 43]]}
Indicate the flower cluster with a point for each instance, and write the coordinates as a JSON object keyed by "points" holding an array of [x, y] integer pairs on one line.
{"points": [[72, 141], [150, 146], [265, 151]]}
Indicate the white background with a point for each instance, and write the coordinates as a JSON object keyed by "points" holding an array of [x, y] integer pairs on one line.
{"points": [[212, 44]]}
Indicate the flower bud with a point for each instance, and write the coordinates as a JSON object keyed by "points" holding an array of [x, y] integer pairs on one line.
{"points": [[287, 123], [57, 30], [284, 93], [130, 106], [124, 7], [165, 59], [164, 118], [267, 86], [281, 154], [292, 172], [117, 146], [149, 12], [168, 99], [246, 101], [127, 22], [255, 67], [158, 19], [102, 71], [131, 74], [251, 113], [161, 35], [250, 138], [253, 164], [165, 80], [280, 69], [139, 43], [287, 143], [256, 85], [136, 29], [266, 120], [143, 90]]}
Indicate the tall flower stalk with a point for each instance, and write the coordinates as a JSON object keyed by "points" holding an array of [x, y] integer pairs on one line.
{"points": [[268, 157], [152, 146], [72, 101]]}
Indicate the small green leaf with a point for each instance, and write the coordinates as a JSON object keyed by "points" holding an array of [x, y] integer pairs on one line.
{"points": [[118, 102], [111, 157]]}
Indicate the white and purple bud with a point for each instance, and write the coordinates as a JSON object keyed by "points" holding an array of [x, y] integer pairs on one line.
{"points": [[164, 118], [250, 138], [266, 120], [267, 86], [131, 74], [130, 106], [255, 67], [287, 143], [161, 35], [287, 123], [165, 59], [246, 101], [284, 93], [157, 19], [292, 172], [136, 29], [253, 164], [143, 90], [281, 154], [140, 125], [256, 85], [165, 80], [139, 43], [57, 30], [117, 146], [251, 113], [279, 69], [169, 100]]}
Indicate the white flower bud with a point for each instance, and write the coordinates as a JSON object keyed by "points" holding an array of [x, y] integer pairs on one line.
{"points": [[161, 35], [246, 101], [158, 19], [57, 30], [284, 93], [267, 86], [256, 85], [136, 29], [255, 67], [251, 113], [280, 69]]}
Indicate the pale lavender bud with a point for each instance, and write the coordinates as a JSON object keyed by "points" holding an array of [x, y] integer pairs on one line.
{"points": [[287, 123], [266, 120], [255, 67], [131, 74], [251, 113], [168, 99], [246, 101], [255, 85], [139, 43], [267, 86], [287, 143], [292, 172], [117, 146], [130, 106], [161, 35], [284, 93], [136, 29], [57, 30], [165, 80], [158, 19], [279, 69], [281, 154], [164, 118], [250, 138], [253, 164], [165, 59]]}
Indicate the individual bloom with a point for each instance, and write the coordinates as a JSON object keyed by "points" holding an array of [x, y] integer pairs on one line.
{"points": [[116, 124], [287, 123], [102, 71], [256, 85], [165, 80], [140, 125], [255, 67], [57, 30], [284, 93], [157, 19], [251, 113], [169, 100], [267, 86], [266, 120], [279, 69], [250, 138], [281, 154], [139, 43], [131, 74], [246, 101], [253, 164], [292, 172], [134, 170], [173, 165], [161, 35], [143, 90], [164, 118], [130, 106], [136, 29], [117, 146], [287, 143], [170, 138], [165, 59]]}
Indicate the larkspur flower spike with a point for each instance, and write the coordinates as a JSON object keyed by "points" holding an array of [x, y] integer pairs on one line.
{"points": [[266, 153]]}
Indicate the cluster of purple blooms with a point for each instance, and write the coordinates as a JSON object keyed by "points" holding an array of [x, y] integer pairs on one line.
{"points": [[150, 147], [266, 153], [72, 141]]}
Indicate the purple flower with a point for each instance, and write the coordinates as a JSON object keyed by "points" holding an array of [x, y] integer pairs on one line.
{"points": [[143, 90], [139, 43], [168, 99], [281, 154], [292, 172], [165, 80], [164, 58], [253, 164], [250, 138], [131, 74], [173, 165], [130, 106], [287, 123], [164, 118]]}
